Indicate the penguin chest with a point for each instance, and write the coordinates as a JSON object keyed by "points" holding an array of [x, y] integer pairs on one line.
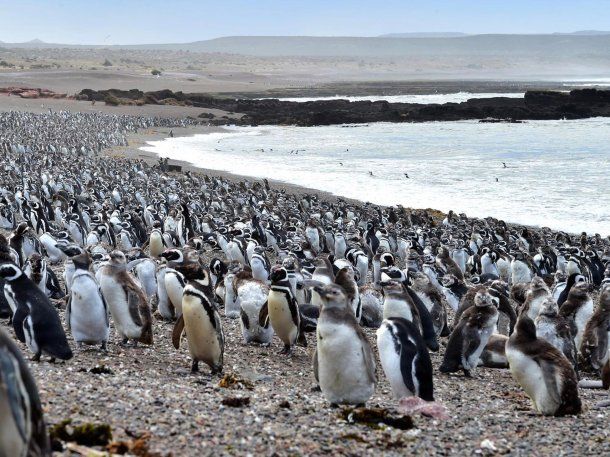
{"points": [[531, 378], [280, 317], [342, 371], [174, 286], [156, 244], [581, 318], [200, 332], [117, 299], [88, 319], [520, 272], [397, 307]]}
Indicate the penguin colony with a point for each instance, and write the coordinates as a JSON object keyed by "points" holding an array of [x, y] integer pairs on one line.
{"points": [[138, 244]]}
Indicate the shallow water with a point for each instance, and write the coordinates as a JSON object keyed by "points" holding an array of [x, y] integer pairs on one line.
{"points": [[557, 175], [457, 97]]}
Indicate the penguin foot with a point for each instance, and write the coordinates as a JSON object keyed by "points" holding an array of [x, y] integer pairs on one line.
{"points": [[52, 360], [286, 350], [104, 346], [316, 389], [195, 367], [467, 373], [36, 358]]}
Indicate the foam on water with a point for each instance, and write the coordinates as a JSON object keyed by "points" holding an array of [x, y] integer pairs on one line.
{"points": [[558, 172], [457, 97]]}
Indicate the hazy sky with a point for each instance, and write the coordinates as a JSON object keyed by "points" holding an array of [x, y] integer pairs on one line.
{"points": [[163, 21]]}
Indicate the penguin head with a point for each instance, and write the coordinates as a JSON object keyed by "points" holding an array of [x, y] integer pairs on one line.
{"points": [[278, 274], [391, 287], [484, 298], [172, 255], [10, 272], [117, 258], [332, 295], [549, 308]]}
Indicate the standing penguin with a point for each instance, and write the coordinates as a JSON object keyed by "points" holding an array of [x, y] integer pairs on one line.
{"points": [[344, 364], [556, 329], [200, 319], [345, 278], [595, 346], [578, 309], [542, 371], [22, 428], [471, 334], [283, 309], [86, 310], [35, 320], [126, 300], [405, 359]]}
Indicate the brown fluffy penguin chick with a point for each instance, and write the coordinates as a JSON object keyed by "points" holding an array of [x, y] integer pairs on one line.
{"points": [[542, 371]]}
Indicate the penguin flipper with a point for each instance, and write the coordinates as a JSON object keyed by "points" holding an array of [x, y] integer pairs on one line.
{"points": [[549, 370], [263, 316], [315, 365], [470, 345], [68, 312], [369, 360], [606, 375], [177, 332]]}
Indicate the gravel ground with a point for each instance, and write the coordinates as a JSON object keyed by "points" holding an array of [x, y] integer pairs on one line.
{"points": [[151, 390]]}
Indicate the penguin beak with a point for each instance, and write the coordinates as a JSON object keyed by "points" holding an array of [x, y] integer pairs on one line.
{"points": [[320, 290]]}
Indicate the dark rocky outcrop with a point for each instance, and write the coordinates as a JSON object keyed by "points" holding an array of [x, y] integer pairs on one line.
{"points": [[576, 104]]}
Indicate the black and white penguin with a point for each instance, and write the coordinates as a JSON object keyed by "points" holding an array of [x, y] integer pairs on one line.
{"points": [[563, 292], [344, 363], [22, 428], [432, 299], [405, 359], [595, 346], [470, 336], [200, 319], [537, 293], [542, 371], [126, 300], [283, 309], [556, 330], [345, 278], [578, 309], [36, 269], [86, 310], [371, 300], [35, 320], [156, 242], [174, 279], [447, 265]]}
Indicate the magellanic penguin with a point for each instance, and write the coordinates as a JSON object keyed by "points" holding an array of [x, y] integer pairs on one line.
{"points": [[542, 371], [35, 320], [595, 346], [156, 242], [200, 319], [578, 309], [536, 294], [86, 310], [174, 279], [344, 363], [22, 429], [345, 278], [405, 359], [556, 330], [283, 309], [494, 354], [470, 336], [127, 301]]}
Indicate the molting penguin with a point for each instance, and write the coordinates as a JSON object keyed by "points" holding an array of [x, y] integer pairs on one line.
{"points": [[283, 309], [556, 330], [345, 279], [561, 294], [405, 359], [22, 428], [494, 354], [542, 371], [344, 364], [126, 300], [578, 309], [35, 321], [86, 310], [470, 336], [595, 346], [200, 319]]}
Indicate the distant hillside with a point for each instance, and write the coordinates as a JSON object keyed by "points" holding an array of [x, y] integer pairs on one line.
{"points": [[546, 47], [423, 35]]}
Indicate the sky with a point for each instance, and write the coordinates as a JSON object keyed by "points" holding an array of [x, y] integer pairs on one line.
{"points": [[180, 21]]}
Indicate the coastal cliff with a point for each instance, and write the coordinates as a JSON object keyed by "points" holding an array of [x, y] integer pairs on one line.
{"points": [[535, 105]]}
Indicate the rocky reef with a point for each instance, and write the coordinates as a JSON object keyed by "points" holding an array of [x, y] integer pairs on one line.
{"points": [[576, 104]]}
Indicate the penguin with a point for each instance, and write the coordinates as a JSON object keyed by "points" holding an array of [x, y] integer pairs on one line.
{"points": [[86, 309], [165, 308], [144, 269], [126, 300], [345, 279], [405, 359], [494, 354], [537, 293], [200, 319], [556, 330], [595, 345], [343, 363], [470, 336], [36, 269], [542, 371], [22, 428], [174, 279], [35, 320], [156, 242], [561, 294], [520, 268], [371, 300], [578, 309], [283, 309], [432, 299], [447, 264]]}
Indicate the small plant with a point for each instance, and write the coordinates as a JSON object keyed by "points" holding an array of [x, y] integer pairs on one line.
{"points": [[155, 72]]}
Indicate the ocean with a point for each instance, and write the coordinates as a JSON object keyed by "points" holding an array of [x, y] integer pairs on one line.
{"points": [[457, 97], [557, 173]]}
